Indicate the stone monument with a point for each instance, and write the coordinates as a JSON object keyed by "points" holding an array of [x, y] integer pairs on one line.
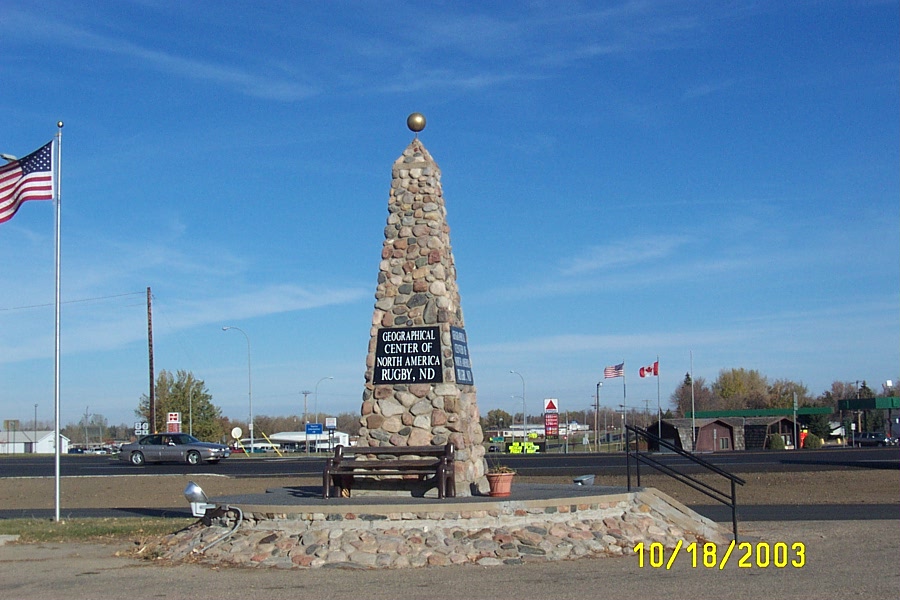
{"points": [[419, 385]]}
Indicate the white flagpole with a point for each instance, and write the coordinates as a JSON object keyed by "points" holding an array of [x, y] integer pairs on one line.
{"points": [[624, 408], [658, 405], [693, 411], [58, 189]]}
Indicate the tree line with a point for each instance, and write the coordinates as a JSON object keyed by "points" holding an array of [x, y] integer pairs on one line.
{"points": [[733, 389], [741, 389]]}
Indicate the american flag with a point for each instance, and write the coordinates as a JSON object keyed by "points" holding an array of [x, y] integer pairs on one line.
{"points": [[29, 178], [614, 371]]}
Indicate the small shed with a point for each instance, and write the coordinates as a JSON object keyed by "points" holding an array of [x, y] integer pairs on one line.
{"points": [[713, 435], [758, 429]]}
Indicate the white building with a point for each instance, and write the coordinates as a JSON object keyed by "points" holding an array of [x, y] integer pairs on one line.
{"points": [[295, 441], [317, 441], [31, 442]]}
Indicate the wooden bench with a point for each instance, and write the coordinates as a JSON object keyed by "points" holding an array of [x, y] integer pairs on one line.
{"points": [[420, 461]]}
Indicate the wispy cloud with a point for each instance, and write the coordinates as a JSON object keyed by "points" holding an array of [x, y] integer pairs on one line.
{"points": [[448, 79], [618, 279], [249, 81], [581, 344], [263, 301], [624, 253], [117, 323]]}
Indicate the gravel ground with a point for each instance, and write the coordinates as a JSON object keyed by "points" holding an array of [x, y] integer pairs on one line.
{"points": [[844, 559]]}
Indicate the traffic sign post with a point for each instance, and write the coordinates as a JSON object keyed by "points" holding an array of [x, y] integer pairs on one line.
{"points": [[330, 425], [551, 419], [313, 429], [173, 422]]}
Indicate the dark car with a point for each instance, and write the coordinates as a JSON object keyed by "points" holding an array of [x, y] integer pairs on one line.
{"points": [[871, 438], [172, 447]]}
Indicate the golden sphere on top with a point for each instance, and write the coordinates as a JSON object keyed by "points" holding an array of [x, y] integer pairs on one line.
{"points": [[416, 122]]}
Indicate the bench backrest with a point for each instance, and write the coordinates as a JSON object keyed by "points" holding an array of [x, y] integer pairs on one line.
{"points": [[445, 451]]}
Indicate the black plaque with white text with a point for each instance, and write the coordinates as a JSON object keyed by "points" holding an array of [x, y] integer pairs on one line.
{"points": [[462, 364], [408, 355]]}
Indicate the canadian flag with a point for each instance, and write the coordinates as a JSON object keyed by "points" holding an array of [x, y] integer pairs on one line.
{"points": [[650, 371]]}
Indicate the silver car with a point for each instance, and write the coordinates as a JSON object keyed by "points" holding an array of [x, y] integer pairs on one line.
{"points": [[172, 447]]}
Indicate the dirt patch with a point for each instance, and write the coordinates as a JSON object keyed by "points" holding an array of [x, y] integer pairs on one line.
{"points": [[848, 486]]}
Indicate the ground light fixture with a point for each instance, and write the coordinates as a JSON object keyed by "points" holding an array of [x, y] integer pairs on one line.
{"points": [[200, 505], [198, 499]]}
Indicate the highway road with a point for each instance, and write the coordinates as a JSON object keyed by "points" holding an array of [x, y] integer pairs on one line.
{"points": [[293, 465]]}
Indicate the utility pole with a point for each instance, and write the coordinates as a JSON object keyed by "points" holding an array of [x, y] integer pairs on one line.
{"points": [[152, 396], [305, 420], [86, 415]]}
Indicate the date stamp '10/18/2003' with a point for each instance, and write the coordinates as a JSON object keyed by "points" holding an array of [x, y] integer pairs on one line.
{"points": [[748, 555]]}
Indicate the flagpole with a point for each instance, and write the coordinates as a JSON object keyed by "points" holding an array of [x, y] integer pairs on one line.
{"points": [[658, 405], [624, 408], [58, 190], [693, 411]]}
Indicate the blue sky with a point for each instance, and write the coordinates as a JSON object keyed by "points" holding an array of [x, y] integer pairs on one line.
{"points": [[623, 180]]}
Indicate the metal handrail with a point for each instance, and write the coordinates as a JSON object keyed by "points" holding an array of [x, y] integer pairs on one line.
{"points": [[714, 493]]}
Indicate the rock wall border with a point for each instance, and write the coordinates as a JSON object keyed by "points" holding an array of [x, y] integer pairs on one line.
{"points": [[394, 537]]}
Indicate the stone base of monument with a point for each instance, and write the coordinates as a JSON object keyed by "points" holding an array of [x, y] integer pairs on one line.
{"points": [[296, 528]]}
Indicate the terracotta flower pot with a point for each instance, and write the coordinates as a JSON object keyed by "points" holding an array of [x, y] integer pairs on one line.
{"points": [[500, 483]]}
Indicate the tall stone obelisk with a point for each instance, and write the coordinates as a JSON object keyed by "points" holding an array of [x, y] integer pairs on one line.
{"points": [[419, 384]]}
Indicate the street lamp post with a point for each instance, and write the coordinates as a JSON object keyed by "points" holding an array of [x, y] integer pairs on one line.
{"points": [[249, 382], [524, 419], [34, 441], [316, 399]]}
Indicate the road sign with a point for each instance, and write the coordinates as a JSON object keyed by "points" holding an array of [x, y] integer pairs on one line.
{"points": [[314, 429], [141, 428]]}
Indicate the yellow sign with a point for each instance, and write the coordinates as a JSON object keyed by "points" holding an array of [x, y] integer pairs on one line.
{"points": [[519, 448]]}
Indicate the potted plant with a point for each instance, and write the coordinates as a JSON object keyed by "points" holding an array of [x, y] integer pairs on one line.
{"points": [[500, 479]]}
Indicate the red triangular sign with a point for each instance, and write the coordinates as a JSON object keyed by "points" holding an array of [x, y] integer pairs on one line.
{"points": [[550, 405]]}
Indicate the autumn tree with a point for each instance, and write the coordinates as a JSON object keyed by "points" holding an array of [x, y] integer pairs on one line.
{"points": [[781, 394], [737, 389], [703, 398], [496, 418], [188, 395], [840, 390], [348, 423]]}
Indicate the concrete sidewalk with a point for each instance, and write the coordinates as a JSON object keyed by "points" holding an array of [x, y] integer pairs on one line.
{"points": [[843, 559]]}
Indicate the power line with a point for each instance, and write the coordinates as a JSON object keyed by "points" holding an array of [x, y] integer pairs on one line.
{"points": [[71, 301]]}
